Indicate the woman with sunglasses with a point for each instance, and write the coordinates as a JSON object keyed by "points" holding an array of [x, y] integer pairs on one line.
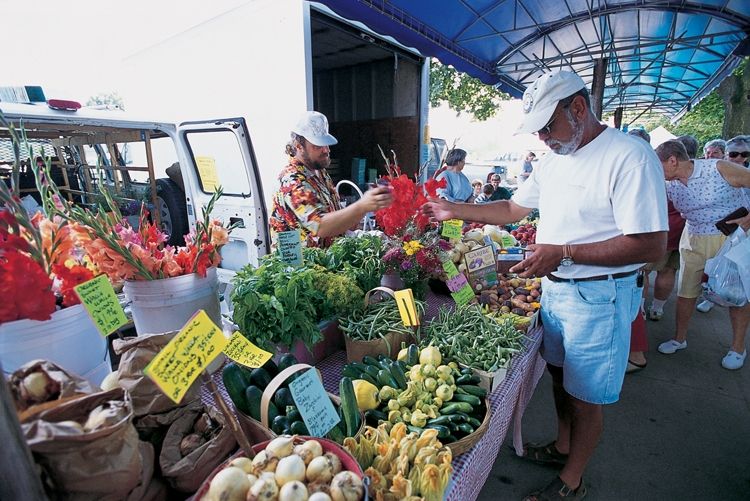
{"points": [[738, 150]]}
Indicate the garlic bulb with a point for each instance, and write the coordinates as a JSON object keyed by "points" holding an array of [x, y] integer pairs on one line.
{"points": [[289, 469], [346, 486], [293, 491], [281, 446]]}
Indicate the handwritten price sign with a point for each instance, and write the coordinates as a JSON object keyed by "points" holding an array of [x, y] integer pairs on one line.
{"points": [[314, 404], [244, 352], [178, 365], [100, 301]]}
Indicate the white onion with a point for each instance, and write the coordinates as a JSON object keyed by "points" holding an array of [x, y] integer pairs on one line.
{"points": [[335, 462], [293, 491], [264, 461], [289, 469], [263, 490], [281, 446], [243, 463], [314, 446], [319, 496], [346, 486], [320, 469], [230, 484]]}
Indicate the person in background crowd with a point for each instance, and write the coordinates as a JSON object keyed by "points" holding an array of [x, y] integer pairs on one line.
{"points": [[477, 184], [604, 214], [499, 192], [714, 149], [691, 145], [459, 187], [486, 195], [638, 132], [307, 198], [704, 191], [527, 168]]}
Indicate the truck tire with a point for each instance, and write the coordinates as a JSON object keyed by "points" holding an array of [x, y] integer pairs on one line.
{"points": [[172, 209]]}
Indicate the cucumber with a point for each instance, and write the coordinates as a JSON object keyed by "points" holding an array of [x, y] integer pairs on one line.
{"points": [[283, 398], [477, 391], [271, 368], [373, 417], [287, 360], [260, 378], [236, 378], [371, 371], [352, 372], [336, 435], [385, 379], [366, 377], [293, 415], [414, 429], [464, 379], [450, 418], [368, 360], [349, 406], [253, 394], [449, 439], [469, 399], [412, 355], [273, 411], [299, 428], [398, 375], [467, 370], [455, 407], [466, 428], [279, 423], [474, 422], [443, 431]]}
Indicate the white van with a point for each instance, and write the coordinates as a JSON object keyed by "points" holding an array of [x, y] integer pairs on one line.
{"points": [[174, 167]]}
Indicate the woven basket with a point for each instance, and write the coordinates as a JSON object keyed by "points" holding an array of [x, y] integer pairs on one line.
{"points": [[469, 441]]}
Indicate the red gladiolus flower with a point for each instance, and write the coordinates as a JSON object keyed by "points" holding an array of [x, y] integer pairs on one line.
{"points": [[69, 278], [25, 288]]}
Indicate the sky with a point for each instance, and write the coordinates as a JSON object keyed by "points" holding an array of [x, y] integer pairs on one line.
{"points": [[74, 49]]}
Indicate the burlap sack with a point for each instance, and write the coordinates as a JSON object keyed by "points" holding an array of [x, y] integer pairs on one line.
{"points": [[136, 353], [63, 385], [104, 464], [186, 474]]}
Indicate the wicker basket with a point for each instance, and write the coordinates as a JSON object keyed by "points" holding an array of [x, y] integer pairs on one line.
{"points": [[469, 441], [347, 461]]}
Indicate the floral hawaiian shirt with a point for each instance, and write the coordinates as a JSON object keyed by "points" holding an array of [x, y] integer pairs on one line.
{"points": [[301, 202]]}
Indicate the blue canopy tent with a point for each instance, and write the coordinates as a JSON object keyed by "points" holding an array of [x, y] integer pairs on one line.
{"points": [[658, 55]]}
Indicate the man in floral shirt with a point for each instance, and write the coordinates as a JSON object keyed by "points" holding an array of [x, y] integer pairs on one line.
{"points": [[307, 198]]}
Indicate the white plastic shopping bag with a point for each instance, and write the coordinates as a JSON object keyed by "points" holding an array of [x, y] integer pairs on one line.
{"points": [[728, 272]]}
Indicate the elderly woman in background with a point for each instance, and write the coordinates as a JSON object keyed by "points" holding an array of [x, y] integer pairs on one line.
{"points": [[458, 187], [704, 191], [714, 149]]}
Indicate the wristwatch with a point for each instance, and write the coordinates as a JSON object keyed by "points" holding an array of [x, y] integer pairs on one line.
{"points": [[567, 259]]}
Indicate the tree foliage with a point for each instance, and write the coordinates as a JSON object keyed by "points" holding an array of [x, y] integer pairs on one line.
{"points": [[462, 92]]}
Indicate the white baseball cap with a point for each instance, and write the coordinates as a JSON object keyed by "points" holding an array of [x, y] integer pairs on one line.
{"points": [[541, 98], [313, 126]]}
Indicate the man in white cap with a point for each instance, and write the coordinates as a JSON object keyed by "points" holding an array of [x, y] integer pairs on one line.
{"points": [[307, 198], [602, 205]]}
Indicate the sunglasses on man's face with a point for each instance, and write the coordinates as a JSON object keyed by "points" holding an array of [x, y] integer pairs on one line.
{"points": [[735, 154]]}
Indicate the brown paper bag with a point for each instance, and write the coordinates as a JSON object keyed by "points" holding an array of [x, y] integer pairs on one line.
{"points": [[152, 428], [136, 353], [61, 385], [187, 473], [104, 464]]}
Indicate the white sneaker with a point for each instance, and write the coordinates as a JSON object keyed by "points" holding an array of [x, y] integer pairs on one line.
{"points": [[733, 360], [655, 315], [671, 346], [704, 306]]}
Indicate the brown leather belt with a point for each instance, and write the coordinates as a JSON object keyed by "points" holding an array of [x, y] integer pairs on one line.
{"points": [[592, 279]]}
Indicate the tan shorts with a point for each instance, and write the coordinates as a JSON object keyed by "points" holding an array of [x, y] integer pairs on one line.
{"points": [[671, 260], [694, 251]]}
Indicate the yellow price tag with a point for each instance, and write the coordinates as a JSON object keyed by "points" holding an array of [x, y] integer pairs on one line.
{"points": [[100, 301], [406, 307], [242, 351], [207, 171], [186, 356], [452, 229]]}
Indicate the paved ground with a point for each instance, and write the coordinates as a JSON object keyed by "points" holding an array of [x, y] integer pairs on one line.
{"points": [[681, 429]]}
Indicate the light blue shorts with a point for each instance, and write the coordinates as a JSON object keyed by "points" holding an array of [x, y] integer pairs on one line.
{"points": [[587, 333]]}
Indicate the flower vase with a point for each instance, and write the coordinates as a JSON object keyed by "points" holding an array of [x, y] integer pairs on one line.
{"points": [[392, 281]]}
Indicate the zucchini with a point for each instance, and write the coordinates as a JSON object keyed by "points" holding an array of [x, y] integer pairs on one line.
{"points": [[455, 407], [412, 355], [371, 371], [336, 435], [372, 380], [283, 398], [443, 431], [466, 428], [469, 399], [477, 391], [271, 368], [253, 394], [299, 428], [368, 360], [474, 422], [236, 378], [385, 379], [464, 379], [398, 375], [279, 423], [287, 360], [293, 415], [414, 429], [349, 406], [260, 378], [373, 417], [444, 420], [273, 411], [352, 372]]}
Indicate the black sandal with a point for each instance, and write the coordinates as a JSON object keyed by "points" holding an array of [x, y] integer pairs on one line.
{"points": [[546, 454], [557, 489]]}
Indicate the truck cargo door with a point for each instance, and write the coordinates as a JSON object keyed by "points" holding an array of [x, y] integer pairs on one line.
{"points": [[219, 153]]}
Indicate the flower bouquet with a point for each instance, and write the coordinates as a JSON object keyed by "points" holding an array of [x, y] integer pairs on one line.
{"points": [[413, 247]]}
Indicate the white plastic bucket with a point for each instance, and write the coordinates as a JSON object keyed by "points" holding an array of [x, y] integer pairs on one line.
{"points": [[69, 339], [167, 304]]}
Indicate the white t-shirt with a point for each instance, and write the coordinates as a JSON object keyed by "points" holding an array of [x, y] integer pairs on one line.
{"points": [[612, 186]]}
